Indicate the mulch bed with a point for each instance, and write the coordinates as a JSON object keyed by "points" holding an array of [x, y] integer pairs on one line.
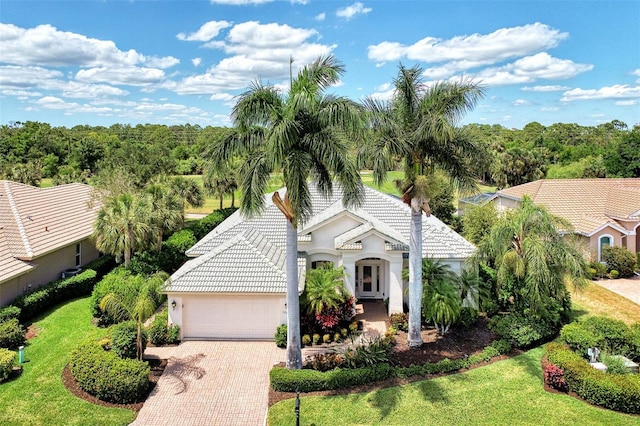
{"points": [[157, 368], [458, 343]]}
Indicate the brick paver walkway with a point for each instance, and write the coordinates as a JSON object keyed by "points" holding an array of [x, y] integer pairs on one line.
{"points": [[211, 383]]}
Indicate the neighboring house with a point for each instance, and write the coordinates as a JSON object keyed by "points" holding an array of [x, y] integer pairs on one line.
{"points": [[43, 232], [236, 285], [604, 212]]}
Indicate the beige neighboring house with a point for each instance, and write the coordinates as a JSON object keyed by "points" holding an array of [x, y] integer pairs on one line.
{"points": [[605, 212], [43, 233]]}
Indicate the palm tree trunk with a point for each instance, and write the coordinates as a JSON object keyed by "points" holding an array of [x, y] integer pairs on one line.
{"points": [[159, 241], [221, 198], [233, 199], [139, 341], [294, 350], [414, 338], [128, 249]]}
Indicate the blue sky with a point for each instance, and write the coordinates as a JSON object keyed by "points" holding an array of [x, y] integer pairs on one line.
{"points": [[174, 62]]}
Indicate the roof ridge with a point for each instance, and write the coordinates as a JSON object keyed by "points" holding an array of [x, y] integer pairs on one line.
{"points": [[16, 215]]}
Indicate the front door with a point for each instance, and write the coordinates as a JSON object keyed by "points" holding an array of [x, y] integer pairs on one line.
{"points": [[369, 280]]}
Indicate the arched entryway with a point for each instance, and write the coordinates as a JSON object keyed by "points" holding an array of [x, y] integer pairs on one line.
{"points": [[370, 282]]}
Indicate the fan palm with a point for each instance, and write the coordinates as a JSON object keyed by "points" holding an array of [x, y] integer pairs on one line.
{"points": [[419, 126], [167, 211], [122, 225], [304, 135]]}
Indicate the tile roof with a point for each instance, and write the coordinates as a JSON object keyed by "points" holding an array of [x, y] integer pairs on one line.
{"points": [[588, 204], [36, 221], [245, 254]]}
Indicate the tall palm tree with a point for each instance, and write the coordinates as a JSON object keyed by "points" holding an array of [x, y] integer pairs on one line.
{"points": [[324, 288], [419, 126], [167, 210], [122, 225], [534, 260], [188, 190], [302, 134]]}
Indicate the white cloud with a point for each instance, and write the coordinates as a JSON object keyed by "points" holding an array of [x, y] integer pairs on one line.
{"points": [[350, 11], [626, 103], [553, 88], [132, 76], [196, 62], [47, 46], [207, 31], [618, 91], [21, 94], [320, 17], [530, 69], [474, 50], [521, 102], [549, 109], [637, 74], [17, 77]]}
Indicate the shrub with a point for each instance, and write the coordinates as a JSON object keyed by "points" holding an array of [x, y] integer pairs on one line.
{"points": [[306, 340], [160, 332], [399, 321], [344, 333], [522, 332], [7, 359], [173, 250], [326, 362], [9, 312], [613, 391], [502, 346], [107, 376], [124, 339], [619, 259], [614, 335], [614, 274], [305, 380], [600, 269], [326, 338], [554, 377], [101, 265], [316, 338], [337, 337], [281, 336], [44, 297], [468, 317], [614, 363], [11, 334], [367, 354], [580, 338]]}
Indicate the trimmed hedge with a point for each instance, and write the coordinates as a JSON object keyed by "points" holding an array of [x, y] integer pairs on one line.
{"points": [[607, 334], [7, 358], [9, 312], [102, 265], [161, 333], [619, 259], [11, 334], [42, 298], [107, 376], [523, 332], [124, 339], [306, 380], [614, 391]]}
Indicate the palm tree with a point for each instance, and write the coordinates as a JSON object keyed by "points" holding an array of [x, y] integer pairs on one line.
{"points": [[324, 288], [137, 304], [534, 262], [304, 136], [167, 211], [122, 225], [419, 126], [188, 190]]}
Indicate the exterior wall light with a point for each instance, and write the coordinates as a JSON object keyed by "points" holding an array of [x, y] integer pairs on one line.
{"points": [[173, 304]]}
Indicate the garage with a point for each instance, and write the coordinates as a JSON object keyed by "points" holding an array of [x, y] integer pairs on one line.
{"points": [[231, 316]]}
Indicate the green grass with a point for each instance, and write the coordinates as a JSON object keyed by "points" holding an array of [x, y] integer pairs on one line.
{"points": [[37, 396], [506, 392]]}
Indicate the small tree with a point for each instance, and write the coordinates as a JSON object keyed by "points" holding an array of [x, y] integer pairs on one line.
{"points": [[619, 259]]}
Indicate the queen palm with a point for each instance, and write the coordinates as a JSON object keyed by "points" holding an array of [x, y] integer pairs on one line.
{"points": [[122, 225], [303, 135], [418, 126]]}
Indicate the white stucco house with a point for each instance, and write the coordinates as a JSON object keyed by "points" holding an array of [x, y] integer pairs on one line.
{"points": [[235, 285]]}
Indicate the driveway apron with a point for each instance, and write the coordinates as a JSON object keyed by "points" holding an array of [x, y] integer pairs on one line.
{"points": [[211, 383]]}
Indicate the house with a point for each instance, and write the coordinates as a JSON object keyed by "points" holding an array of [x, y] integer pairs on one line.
{"points": [[604, 212], [235, 285], [43, 232]]}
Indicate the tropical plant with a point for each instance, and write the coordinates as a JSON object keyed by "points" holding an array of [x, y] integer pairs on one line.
{"points": [[122, 225], [324, 288], [188, 190], [441, 304], [167, 211], [222, 179], [137, 304], [304, 134], [534, 262], [419, 126]]}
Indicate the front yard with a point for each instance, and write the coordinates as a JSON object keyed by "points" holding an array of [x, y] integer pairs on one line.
{"points": [[37, 396]]}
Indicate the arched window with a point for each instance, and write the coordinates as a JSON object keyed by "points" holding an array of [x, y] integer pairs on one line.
{"points": [[604, 241], [320, 263]]}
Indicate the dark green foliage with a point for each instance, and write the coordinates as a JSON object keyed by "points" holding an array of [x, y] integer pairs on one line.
{"points": [[477, 222], [368, 354], [205, 225], [123, 339], [502, 346], [37, 301], [609, 335], [7, 358], [174, 248], [285, 380], [468, 317], [11, 334], [101, 265], [107, 376], [281, 336], [523, 332], [600, 269], [9, 312], [613, 391], [619, 259], [160, 333]]}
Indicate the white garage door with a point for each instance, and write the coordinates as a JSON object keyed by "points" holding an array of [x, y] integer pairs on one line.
{"points": [[231, 316]]}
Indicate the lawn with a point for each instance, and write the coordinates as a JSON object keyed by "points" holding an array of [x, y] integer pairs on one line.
{"points": [[38, 396], [506, 392]]}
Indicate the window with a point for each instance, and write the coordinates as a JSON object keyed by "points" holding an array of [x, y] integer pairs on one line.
{"points": [[603, 241], [78, 255], [320, 263]]}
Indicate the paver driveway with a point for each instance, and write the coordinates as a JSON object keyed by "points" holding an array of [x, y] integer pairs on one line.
{"points": [[211, 383]]}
